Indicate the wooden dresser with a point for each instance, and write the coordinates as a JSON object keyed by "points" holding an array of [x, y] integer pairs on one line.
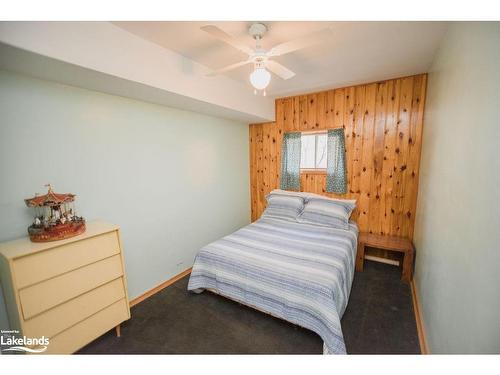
{"points": [[71, 291]]}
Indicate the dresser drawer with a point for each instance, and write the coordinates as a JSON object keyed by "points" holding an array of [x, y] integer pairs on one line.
{"points": [[59, 318], [58, 260], [89, 329], [52, 292]]}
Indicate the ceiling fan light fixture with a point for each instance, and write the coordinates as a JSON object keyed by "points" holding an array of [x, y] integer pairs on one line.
{"points": [[260, 78]]}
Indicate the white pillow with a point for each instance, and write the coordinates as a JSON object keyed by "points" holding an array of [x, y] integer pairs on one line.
{"points": [[283, 206], [329, 213]]}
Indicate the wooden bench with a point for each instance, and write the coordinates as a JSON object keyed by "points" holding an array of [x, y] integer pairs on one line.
{"points": [[391, 243]]}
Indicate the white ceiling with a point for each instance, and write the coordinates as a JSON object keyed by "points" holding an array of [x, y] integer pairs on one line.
{"points": [[357, 52], [101, 56]]}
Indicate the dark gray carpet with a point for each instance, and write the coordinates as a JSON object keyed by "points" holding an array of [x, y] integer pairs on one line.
{"points": [[379, 319]]}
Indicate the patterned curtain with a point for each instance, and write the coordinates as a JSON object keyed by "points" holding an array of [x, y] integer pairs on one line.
{"points": [[336, 173], [290, 161]]}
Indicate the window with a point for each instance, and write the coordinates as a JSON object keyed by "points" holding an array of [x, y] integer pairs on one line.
{"points": [[313, 151]]}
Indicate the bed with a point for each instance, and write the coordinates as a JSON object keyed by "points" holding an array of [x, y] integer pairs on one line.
{"points": [[298, 272]]}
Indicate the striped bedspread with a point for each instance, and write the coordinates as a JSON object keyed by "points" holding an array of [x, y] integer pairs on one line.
{"points": [[298, 272]]}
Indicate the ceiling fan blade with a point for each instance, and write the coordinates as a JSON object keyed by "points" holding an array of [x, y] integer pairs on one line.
{"points": [[303, 42], [222, 35], [229, 67], [279, 69]]}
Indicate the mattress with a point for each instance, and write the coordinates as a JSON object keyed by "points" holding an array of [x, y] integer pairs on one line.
{"points": [[299, 272]]}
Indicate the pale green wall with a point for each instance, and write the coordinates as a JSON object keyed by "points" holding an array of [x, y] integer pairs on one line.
{"points": [[457, 232], [173, 180]]}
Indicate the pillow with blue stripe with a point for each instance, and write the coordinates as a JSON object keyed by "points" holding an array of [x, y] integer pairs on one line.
{"points": [[281, 206], [327, 212]]}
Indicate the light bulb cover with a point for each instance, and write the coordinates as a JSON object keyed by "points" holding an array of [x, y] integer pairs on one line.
{"points": [[260, 78]]}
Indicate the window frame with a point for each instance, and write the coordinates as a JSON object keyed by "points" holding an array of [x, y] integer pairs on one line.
{"points": [[314, 170]]}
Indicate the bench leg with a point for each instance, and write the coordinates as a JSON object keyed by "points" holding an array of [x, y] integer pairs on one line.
{"points": [[360, 257], [407, 267]]}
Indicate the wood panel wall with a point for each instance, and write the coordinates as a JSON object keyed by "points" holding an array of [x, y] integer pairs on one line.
{"points": [[383, 126]]}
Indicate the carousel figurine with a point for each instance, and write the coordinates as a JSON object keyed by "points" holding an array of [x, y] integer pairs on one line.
{"points": [[55, 217]]}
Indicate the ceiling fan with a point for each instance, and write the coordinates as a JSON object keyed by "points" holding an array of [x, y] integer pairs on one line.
{"points": [[260, 77]]}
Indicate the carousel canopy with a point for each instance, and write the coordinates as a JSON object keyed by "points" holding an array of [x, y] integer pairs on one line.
{"points": [[49, 199]]}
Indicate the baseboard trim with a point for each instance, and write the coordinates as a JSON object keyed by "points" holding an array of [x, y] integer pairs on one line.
{"points": [[424, 348], [157, 288]]}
